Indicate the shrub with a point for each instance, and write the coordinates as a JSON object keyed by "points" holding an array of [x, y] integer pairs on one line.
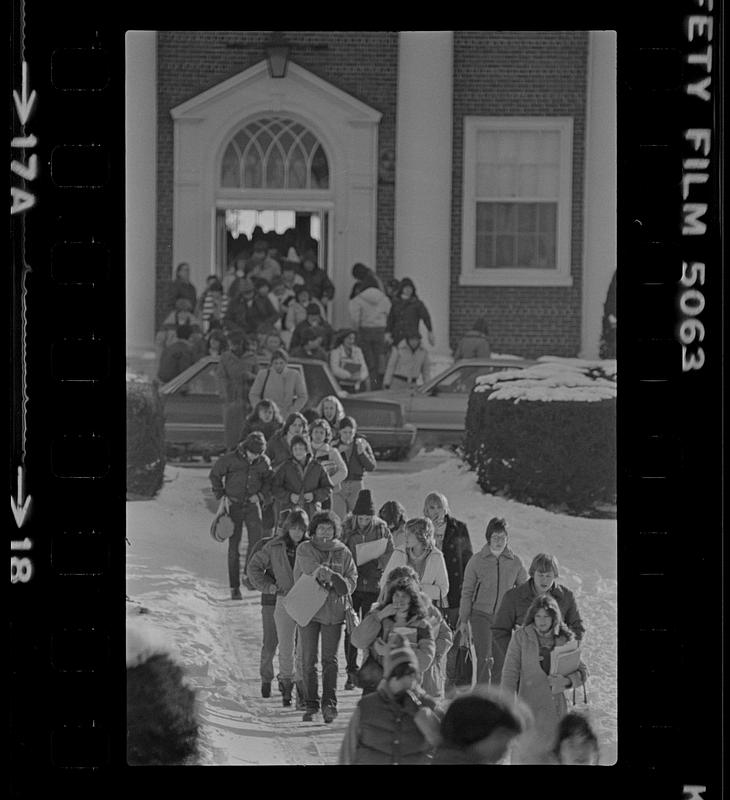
{"points": [[145, 437], [545, 435]]}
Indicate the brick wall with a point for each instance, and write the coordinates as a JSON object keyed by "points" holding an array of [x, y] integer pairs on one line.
{"points": [[361, 63], [520, 73]]}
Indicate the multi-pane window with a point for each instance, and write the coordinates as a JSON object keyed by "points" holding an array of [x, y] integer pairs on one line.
{"points": [[516, 200], [274, 153]]}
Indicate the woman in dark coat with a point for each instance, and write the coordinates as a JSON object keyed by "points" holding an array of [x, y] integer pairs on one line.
{"points": [[406, 314], [278, 446], [301, 481], [182, 287], [265, 418]]}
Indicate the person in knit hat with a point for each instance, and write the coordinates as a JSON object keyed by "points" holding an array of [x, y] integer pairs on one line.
{"points": [[360, 527], [396, 724], [241, 480]]}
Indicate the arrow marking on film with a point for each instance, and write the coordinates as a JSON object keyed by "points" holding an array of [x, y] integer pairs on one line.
{"points": [[20, 509], [24, 103]]}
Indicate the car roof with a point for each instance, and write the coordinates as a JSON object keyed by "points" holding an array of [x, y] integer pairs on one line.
{"points": [[503, 363]]}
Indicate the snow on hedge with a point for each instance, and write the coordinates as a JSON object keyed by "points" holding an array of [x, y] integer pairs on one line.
{"points": [[553, 379]]}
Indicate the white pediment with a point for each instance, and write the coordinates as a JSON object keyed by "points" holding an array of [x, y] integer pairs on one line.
{"points": [[298, 82]]}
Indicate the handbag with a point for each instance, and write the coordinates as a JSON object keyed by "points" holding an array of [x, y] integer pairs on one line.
{"points": [[370, 673], [352, 618], [221, 529], [465, 672]]}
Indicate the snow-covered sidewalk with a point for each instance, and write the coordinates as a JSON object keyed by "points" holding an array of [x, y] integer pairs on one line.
{"points": [[178, 573]]}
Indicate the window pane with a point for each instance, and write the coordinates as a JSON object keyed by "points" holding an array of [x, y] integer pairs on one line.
{"points": [[252, 174], [264, 139], [308, 142], [486, 180], [242, 138], [548, 182], [286, 140], [320, 170], [546, 251], [506, 217], [526, 251], [550, 147], [275, 170], [485, 251], [485, 217], [547, 217], [487, 147], [506, 181], [297, 169], [505, 251], [204, 382], [528, 181], [527, 217], [506, 147], [529, 143], [229, 170]]}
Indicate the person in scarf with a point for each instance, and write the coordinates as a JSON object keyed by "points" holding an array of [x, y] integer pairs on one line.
{"points": [[358, 528], [426, 559], [452, 539], [359, 459], [326, 558], [278, 447], [328, 456], [394, 516], [300, 480], [488, 576], [271, 571]]}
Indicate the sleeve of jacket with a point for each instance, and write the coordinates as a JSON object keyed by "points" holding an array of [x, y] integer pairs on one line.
{"points": [[424, 315], [385, 558], [504, 623], [425, 646], [354, 308], [279, 485], [367, 631], [305, 561], [442, 578], [512, 666], [216, 478], [366, 458], [522, 575], [324, 488], [579, 677], [254, 394], [267, 477], [465, 550], [392, 359], [300, 389], [259, 562], [335, 358], [444, 638], [340, 472], [397, 559], [348, 748], [573, 619], [468, 585], [350, 572]]}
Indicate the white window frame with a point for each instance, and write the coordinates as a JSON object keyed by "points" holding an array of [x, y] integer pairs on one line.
{"points": [[517, 276]]}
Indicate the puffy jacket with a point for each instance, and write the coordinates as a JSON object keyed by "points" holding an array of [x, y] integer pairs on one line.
{"points": [[277, 449], [405, 316], [270, 566], [457, 551], [267, 599], [293, 478], [357, 463], [233, 476], [329, 457], [407, 363], [382, 730], [435, 579], [369, 309], [339, 560], [487, 579], [368, 574], [372, 627], [474, 344]]}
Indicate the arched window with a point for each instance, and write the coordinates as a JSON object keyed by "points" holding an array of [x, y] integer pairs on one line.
{"points": [[274, 153]]}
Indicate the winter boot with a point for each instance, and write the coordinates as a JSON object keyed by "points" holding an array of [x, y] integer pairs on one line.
{"points": [[329, 713], [280, 684], [265, 688], [309, 715], [351, 682], [301, 696], [286, 688], [236, 594]]}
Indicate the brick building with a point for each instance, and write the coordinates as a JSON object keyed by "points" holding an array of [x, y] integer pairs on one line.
{"points": [[479, 163]]}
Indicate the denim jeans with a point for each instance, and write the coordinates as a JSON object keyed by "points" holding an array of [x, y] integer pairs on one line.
{"points": [[481, 631], [309, 636], [362, 603], [249, 513], [344, 500], [269, 644], [372, 344], [451, 615], [290, 656]]}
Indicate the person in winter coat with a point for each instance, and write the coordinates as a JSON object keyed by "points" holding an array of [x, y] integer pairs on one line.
{"points": [[278, 447], [236, 372], [315, 279], [316, 322], [176, 357], [280, 383], [576, 744], [406, 314], [526, 672], [433, 677], [451, 537], [369, 311], [409, 361], [241, 480], [311, 347], [479, 727], [320, 435], [475, 342], [212, 304], [359, 459], [543, 572], [270, 640], [347, 362], [182, 287], [271, 570], [428, 562], [266, 418], [330, 409], [168, 333], [364, 277], [331, 563], [403, 610], [489, 575], [301, 481], [358, 528], [162, 721], [396, 724], [394, 516], [261, 311], [296, 311], [241, 296]]}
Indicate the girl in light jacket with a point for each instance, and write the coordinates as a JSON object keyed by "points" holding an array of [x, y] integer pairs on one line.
{"points": [[526, 672], [326, 558], [428, 562], [320, 435], [330, 409], [347, 361], [489, 574]]}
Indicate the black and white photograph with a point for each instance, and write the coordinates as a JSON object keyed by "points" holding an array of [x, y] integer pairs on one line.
{"points": [[371, 391]]}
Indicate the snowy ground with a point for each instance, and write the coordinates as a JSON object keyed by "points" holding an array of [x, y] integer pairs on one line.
{"points": [[178, 573]]}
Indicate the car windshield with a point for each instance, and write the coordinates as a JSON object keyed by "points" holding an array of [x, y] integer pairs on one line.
{"points": [[204, 381], [318, 383], [462, 379]]}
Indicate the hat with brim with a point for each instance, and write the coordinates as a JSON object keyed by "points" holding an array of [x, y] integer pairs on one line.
{"points": [[221, 529]]}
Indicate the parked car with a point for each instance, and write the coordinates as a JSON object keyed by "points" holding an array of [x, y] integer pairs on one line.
{"points": [[194, 421], [438, 408]]}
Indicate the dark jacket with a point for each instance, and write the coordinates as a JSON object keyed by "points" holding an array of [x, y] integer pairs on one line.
{"points": [[318, 283], [324, 329], [175, 358], [267, 599], [179, 288], [405, 316], [237, 313], [260, 312], [301, 352], [292, 478], [457, 551], [357, 463], [270, 566], [277, 449], [233, 476], [269, 429], [235, 375], [511, 614], [383, 730], [368, 574]]}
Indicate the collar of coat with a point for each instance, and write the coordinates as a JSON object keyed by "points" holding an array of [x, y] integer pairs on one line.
{"points": [[308, 461], [531, 632], [243, 457], [556, 590], [485, 552]]}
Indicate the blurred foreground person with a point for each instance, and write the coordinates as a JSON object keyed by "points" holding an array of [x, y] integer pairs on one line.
{"points": [[575, 743], [162, 726]]}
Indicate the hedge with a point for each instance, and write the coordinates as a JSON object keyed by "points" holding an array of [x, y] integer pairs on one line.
{"points": [[543, 452], [145, 437]]}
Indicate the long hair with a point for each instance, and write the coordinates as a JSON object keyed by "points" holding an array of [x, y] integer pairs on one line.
{"points": [[264, 403], [295, 517], [422, 528], [548, 603], [295, 415], [339, 413], [417, 606], [325, 517], [324, 425], [544, 562], [441, 499]]}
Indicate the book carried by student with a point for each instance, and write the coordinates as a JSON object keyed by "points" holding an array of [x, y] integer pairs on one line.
{"points": [[368, 551], [565, 658]]}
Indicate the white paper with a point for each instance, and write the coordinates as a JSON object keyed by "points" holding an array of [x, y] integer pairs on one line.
{"points": [[304, 599], [368, 551]]}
